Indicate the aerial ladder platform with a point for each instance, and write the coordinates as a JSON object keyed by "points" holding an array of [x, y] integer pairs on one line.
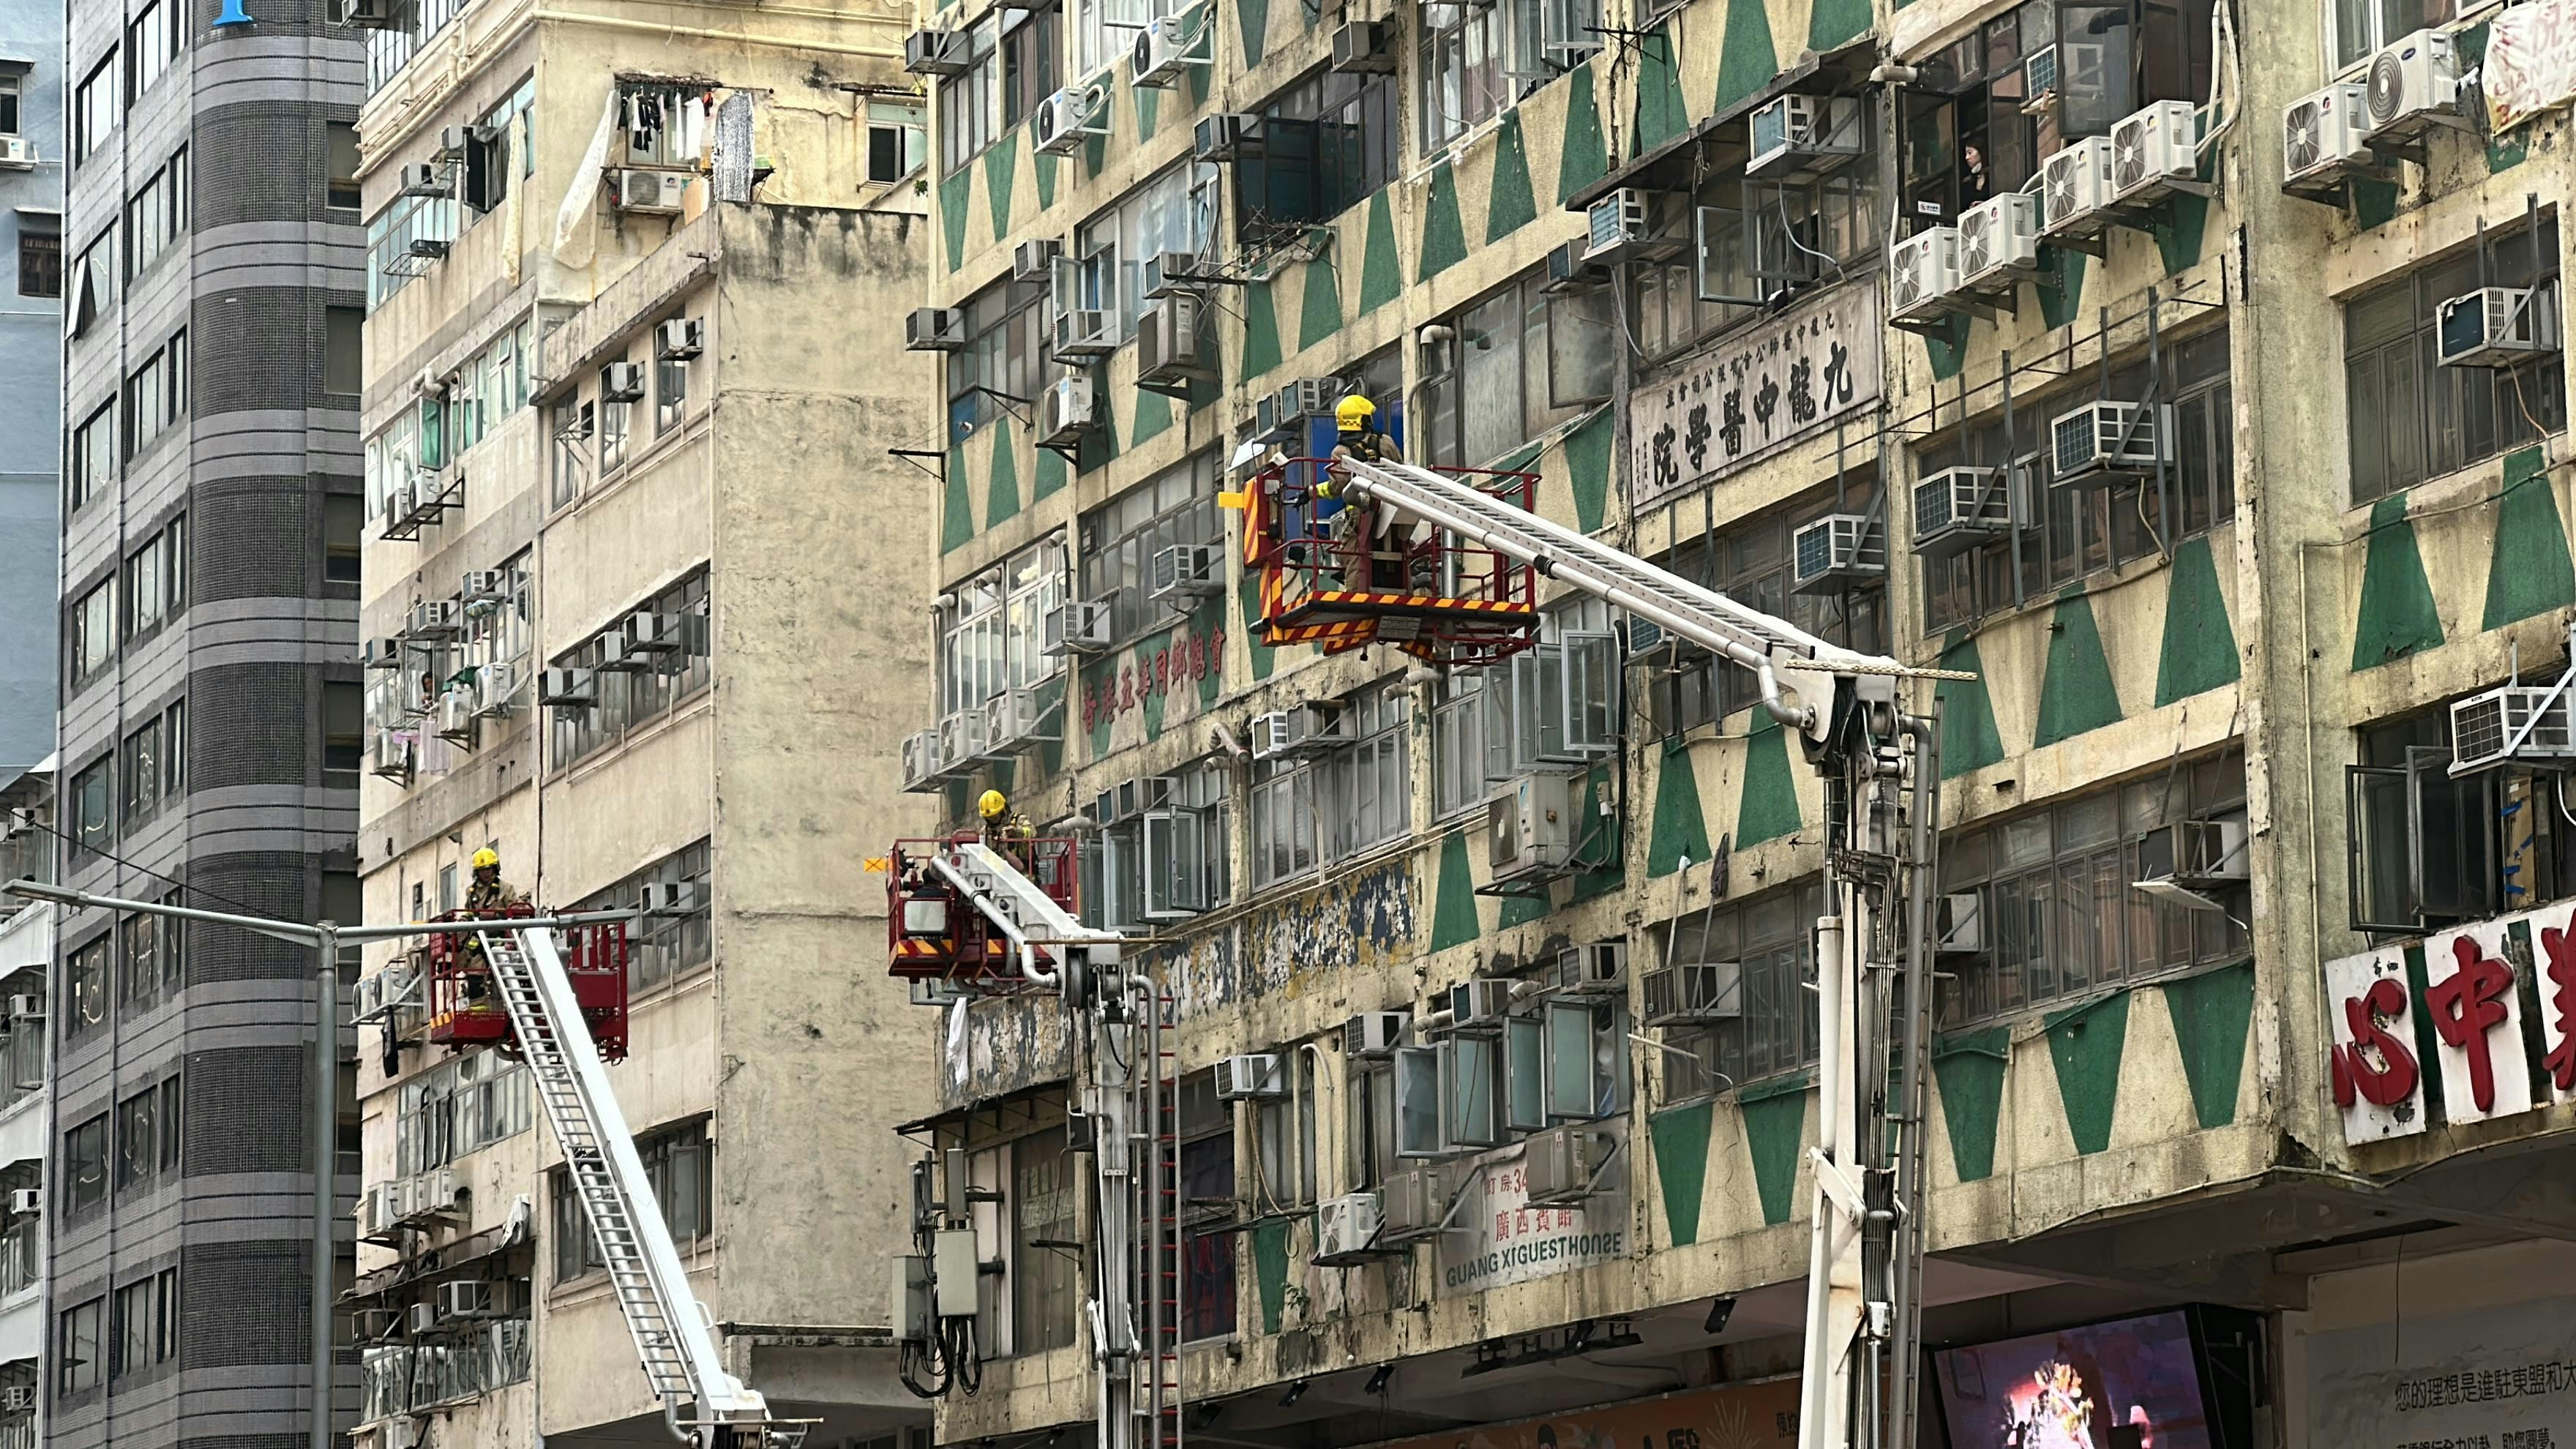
{"points": [[674, 1339]]}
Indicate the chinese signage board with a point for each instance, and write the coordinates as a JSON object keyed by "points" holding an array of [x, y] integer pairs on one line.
{"points": [[2463, 1037], [1504, 1239], [1746, 1416], [2498, 1378], [2530, 65], [1754, 394], [1111, 691]]}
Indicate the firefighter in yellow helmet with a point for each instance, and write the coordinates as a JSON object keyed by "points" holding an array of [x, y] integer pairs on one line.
{"points": [[486, 895], [1358, 439], [1007, 832]]}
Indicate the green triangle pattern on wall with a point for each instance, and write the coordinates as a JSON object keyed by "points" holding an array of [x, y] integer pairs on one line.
{"points": [[1319, 316], [1002, 494], [2059, 285], [1774, 1126], [1660, 114], [1509, 204], [1041, 169], [1248, 599], [2374, 204], [2200, 647], [1611, 849], [2178, 230], [2212, 1012], [1381, 267], [2528, 571], [1678, 832], [2396, 617], [1049, 474], [1444, 237], [2076, 695], [1453, 906], [2085, 1044], [1748, 59], [1252, 19], [1519, 909], [1680, 1135], [1946, 345], [1149, 109], [1260, 331], [1583, 157], [1153, 417], [1768, 807], [1969, 1069], [956, 509], [1001, 171], [954, 194], [1969, 739], [1270, 1269], [1833, 24], [1587, 466]]}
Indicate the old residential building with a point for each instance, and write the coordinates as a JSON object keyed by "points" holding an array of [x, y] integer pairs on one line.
{"points": [[632, 567], [31, 369], [2081, 347], [208, 608]]}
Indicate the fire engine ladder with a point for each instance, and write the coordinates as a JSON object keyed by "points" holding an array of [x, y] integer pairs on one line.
{"points": [[672, 1336], [1161, 1262], [1865, 1260]]}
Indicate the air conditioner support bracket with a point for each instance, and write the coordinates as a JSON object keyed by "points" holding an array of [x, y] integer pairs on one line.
{"points": [[2095, 246], [1167, 389], [1071, 453], [2334, 188]]}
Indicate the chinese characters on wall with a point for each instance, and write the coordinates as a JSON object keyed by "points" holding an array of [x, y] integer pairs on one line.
{"points": [[1755, 393], [1186, 659]]}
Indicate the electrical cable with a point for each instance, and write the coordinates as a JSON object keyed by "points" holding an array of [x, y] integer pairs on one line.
{"points": [[33, 823]]}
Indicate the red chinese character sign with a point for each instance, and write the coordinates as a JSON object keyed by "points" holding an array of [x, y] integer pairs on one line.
{"points": [[2369, 1018], [2553, 957], [2477, 1017]]}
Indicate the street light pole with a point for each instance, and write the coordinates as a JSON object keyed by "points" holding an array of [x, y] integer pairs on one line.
{"points": [[325, 938]]}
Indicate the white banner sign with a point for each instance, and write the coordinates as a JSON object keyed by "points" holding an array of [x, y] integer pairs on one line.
{"points": [[1754, 394], [2477, 1017], [2531, 62], [2482, 983], [2371, 1029], [2499, 1378], [1502, 1238]]}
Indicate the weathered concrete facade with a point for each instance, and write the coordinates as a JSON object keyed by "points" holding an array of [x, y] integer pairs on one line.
{"points": [[740, 494], [2132, 1103]]}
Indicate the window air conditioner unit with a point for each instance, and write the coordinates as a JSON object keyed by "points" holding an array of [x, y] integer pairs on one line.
{"points": [[1830, 553], [1162, 50], [434, 619], [621, 382], [1076, 628], [456, 715], [1921, 270], [2324, 134], [567, 688], [936, 52], [1187, 570], [1083, 334], [2074, 186], [1999, 242], [1615, 227], [1065, 412], [1696, 992], [466, 1299], [496, 688], [2178, 861], [1559, 1164], [1034, 260], [934, 329], [480, 586], [423, 1318], [26, 1007], [2101, 439], [1364, 47], [1346, 1229], [921, 761], [671, 897], [2483, 726], [961, 737], [618, 655], [423, 178], [1414, 1202], [380, 1208], [1064, 119], [1374, 1035], [2412, 83], [1017, 716], [1167, 343], [1303, 730], [1483, 1001], [402, 506], [1958, 508], [2497, 326], [454, 141], [1797, 138], [383, 654], [650, 633], [1305, 398], [364, 14], [369, 1003], [17, 152], [679, 338], [1258, 1077], [1225, 137], [649, 193], [1529, 827], [1175, 274], [1597, 969], [26, 1202], [1959, 924], [389, 757], [2154, 148], [1567, 268]]}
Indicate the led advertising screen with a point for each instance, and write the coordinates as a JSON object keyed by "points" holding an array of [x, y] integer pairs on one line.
{"points": [[2129, 1384]]}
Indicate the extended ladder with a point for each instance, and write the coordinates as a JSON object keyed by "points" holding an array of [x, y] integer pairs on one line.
{"points": [[670, 1328], [1162, 1266]]}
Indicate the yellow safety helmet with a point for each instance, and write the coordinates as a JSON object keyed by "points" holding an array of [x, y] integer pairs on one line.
{"points": [[486, 858], [1352, 413], [991, 805]]}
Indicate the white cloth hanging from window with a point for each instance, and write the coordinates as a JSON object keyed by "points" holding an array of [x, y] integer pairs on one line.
{"points": [[576, 239]]}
